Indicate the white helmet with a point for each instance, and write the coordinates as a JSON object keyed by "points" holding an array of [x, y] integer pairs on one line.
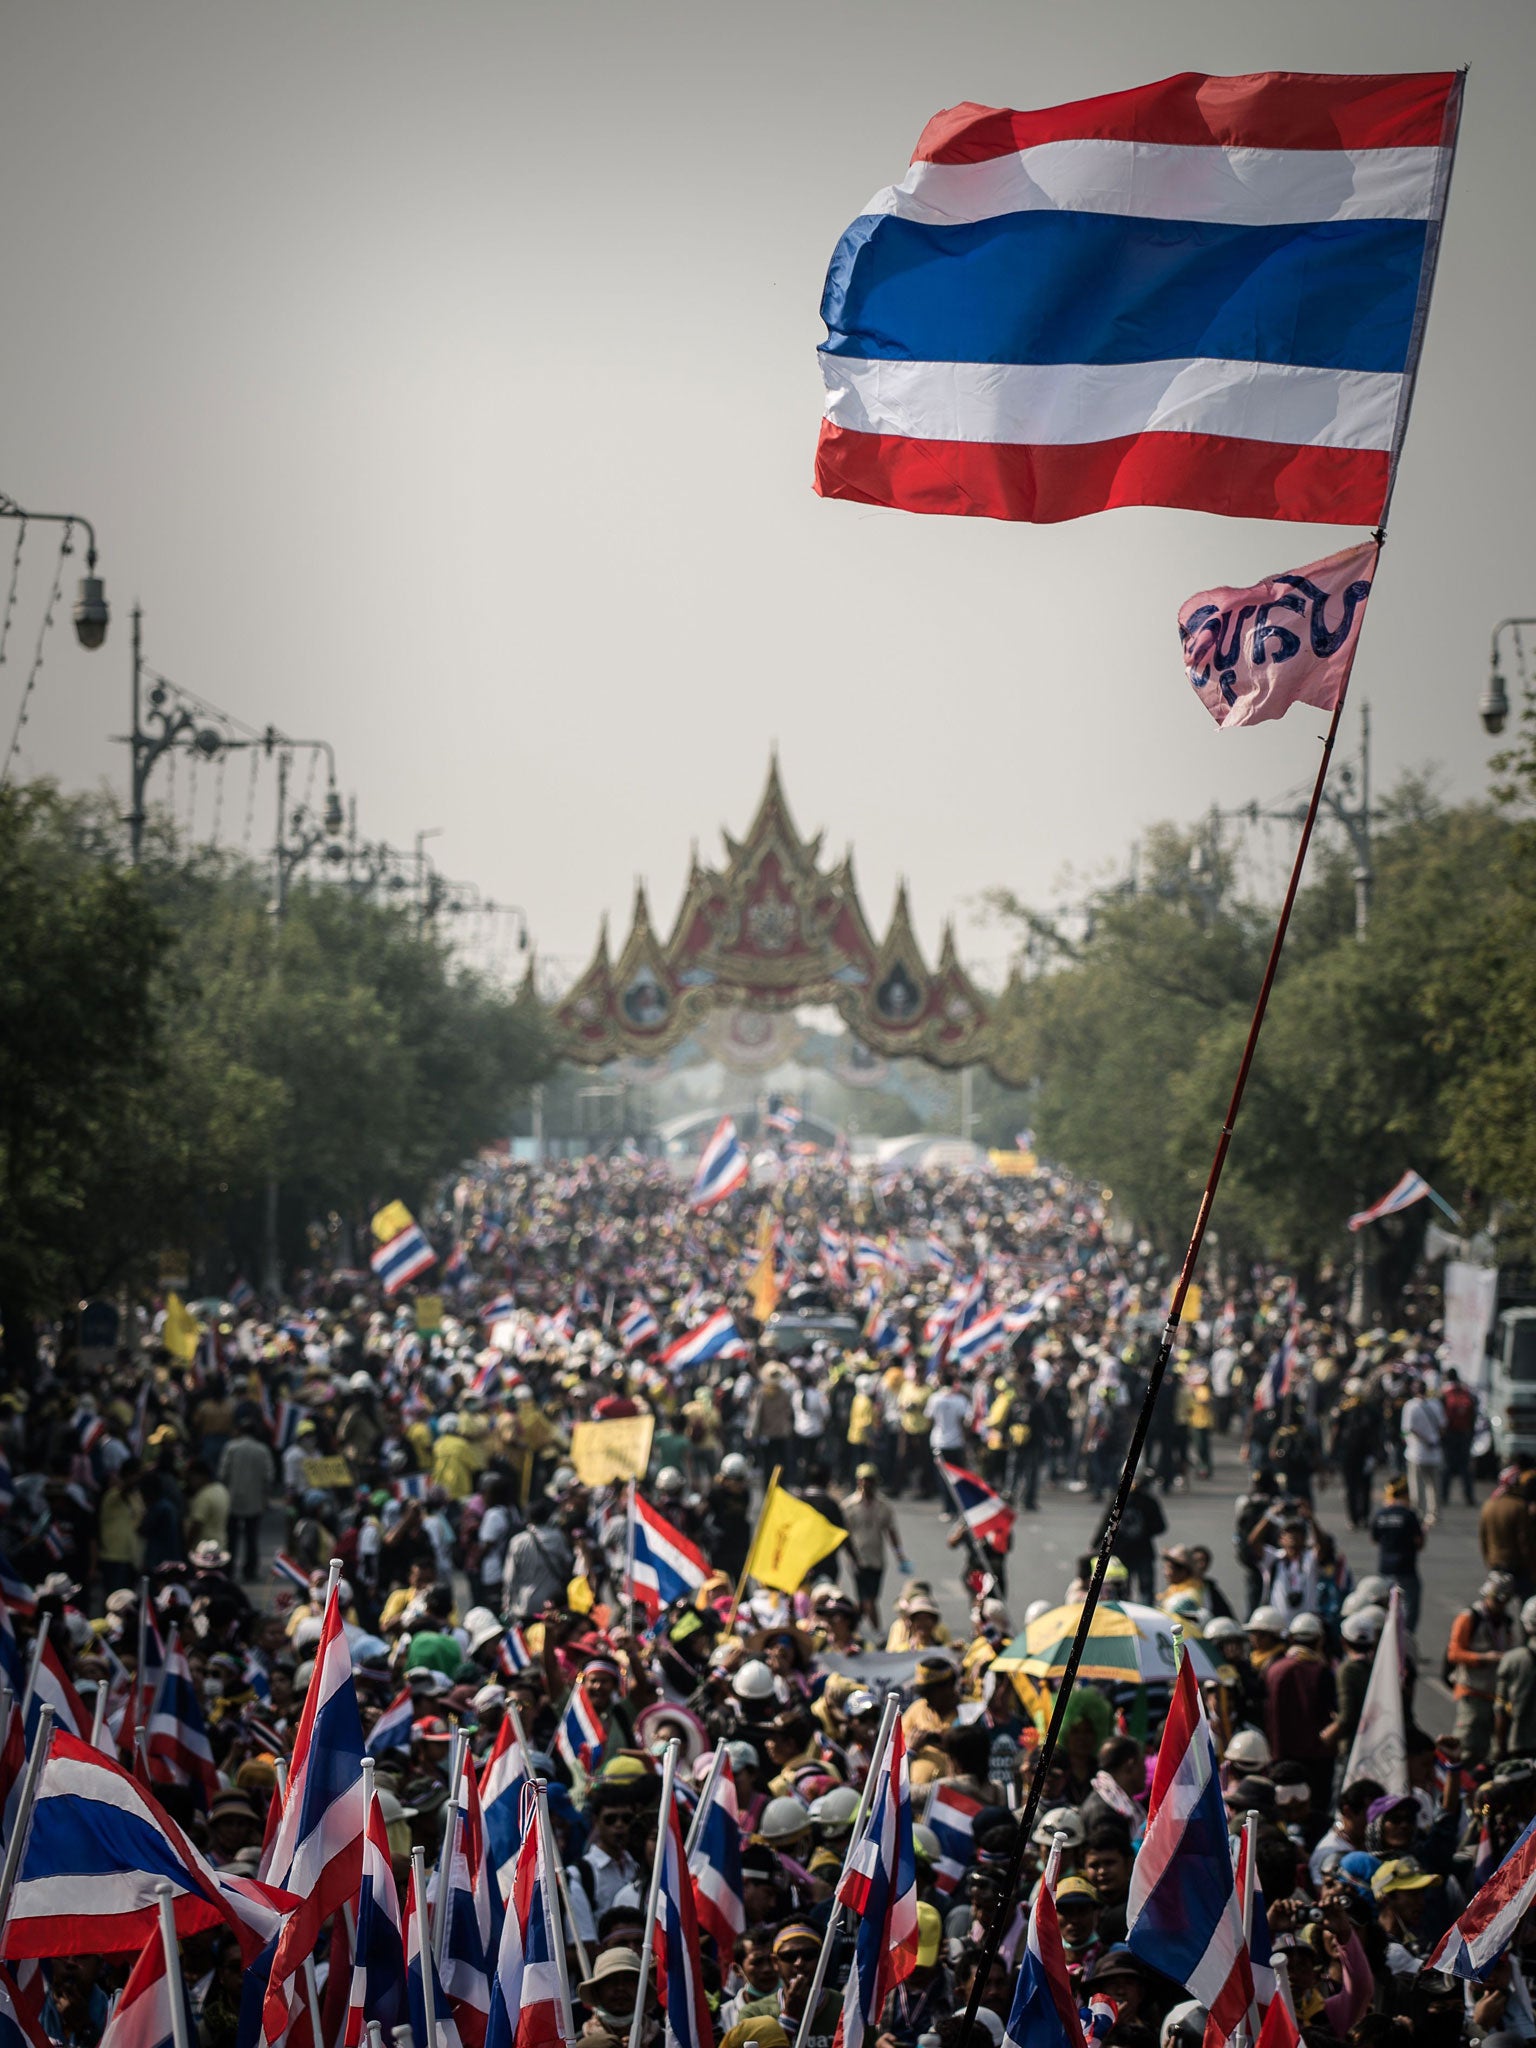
{"points": [[832, 1813], [669, 1480], [1249, 1748], [753, 1680], [1363, 1628], [1528, 1616], [782, 1819], [1061, 1820], [1266, 1621], [1035, 1609], [734, 1466], [1372, 1591], [481, 1626]]}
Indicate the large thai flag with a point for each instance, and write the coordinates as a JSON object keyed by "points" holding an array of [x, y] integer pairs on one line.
{"points": [[666, 1566], [179, 1750], [501, 1795], [1207, 292], [675, 1946], [715, 1865], [528, 2007], [952, 1816], [377, 1990], [318, 1849], [418, 1960], [392, 1730], [143, 2017], [1471, 1946], [1044, 2013], [579, 1738], [717, 1337], [1412, 1188], [987, 1515], [473, 1906], [639, 1325], [879, 1889], [1183, 1915], [722, 1169], [97, 1847]]}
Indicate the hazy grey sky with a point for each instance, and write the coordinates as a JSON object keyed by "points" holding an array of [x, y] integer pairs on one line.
{"points": [[443, 380]]}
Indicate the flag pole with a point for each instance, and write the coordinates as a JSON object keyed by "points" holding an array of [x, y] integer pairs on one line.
{"points": [[551, 1861], [39, 1644], [629, 1560], [696, 1825], [424, 1939], [450, 1835], [24, 1806], [653, 1897], [834, 1918], [98, 1713], [561, 1881], [173, 1964], [746, 1570], [1047, 1750]]}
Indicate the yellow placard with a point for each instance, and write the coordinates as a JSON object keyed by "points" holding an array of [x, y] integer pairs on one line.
{"points": [[1192, 1302], [1013, 1165], [604, 1451], [325, 1473], [429, 1314], [792, 1539], [391, 1220]]}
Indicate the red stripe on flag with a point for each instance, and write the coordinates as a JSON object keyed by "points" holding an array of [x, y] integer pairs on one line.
{"points": [[1262, 110], [1009, 480]]}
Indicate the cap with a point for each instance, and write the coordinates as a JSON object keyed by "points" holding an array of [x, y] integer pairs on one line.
{"points": [[1176, 1553], [866, 1471], [930, 1936], [798, 1934], [1402, 1874], [1078, 1888]]}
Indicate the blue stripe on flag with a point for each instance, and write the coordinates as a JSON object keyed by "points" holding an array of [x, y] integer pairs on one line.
{"points": [[1100, 288]]}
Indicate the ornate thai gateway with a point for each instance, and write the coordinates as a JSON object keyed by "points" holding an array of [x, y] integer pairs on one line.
{"points": [[771, 929]]}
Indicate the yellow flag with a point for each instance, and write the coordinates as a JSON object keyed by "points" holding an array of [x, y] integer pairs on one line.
{"points": [[181, 1330], [791, 1541], [391, 1220], [1193, 1302], [604, 1451], [765, 1288]]}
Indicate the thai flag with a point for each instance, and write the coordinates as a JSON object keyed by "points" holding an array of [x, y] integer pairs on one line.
{"points": [[1413, 1187], [473, 1906], [939, 1253], [488, 1240], [242, 1294], [639, 1325], [868, 1257], [833, 1247], [179, 1749], [506, 1774], [561, 1325], [722, 1169], [785, 1120], [666, 1566], [715, 1338], [418, 1960], [580, 1736], [675, 1945], [987, 1515], [144, 1691], [513, 1654], [1183, 1915], [1250, 1895], [286, 1424], [1022, 1314], [143, 2016], [879, 1889], [987, 1333], [1044, 2013], [98, 1845], [403, 1259], [530, 2007], [377, 1991], [456, 1270], [19, 2024], [93, 1431], [715, 1865], [951, 1815], [55, 1688], [498, 1310], [392, 1730], [318, 1850], [488, 1375], [289, 1571], [1259, 252], [882, 1332], [584, 1299], [15, 1591], [1473, 1944]]}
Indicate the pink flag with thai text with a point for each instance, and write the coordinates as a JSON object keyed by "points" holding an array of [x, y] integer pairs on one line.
{"points": [[1252, 654]]}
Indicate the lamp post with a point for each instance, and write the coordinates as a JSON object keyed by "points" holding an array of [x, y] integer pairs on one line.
{"points": [[1493, 707], [91, 613]]}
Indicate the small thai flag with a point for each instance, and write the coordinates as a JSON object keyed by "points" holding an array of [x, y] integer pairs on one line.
{"points": [[498, 1310], [1413, 1187], [939, 1253], [93, 1431], [882, 1332], [951, 1815], [716, 1338], [292, 1574], [666, 1566], [639, 1325], [501, 1792], [403, 1259], [1044, 2013], [987, 1515], [722, 1169], [580, 1736], [285, 1426], [1471, 1947], [242, 1294], [377, 1990], [529, 2004], [392, 1730], [179, 1750], [584, 1299], [513, 1654], [868, 1257], [785, 1120], [715, 1865]]}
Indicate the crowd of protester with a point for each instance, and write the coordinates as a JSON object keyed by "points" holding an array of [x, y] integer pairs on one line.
{"points": [[426, 1443]]}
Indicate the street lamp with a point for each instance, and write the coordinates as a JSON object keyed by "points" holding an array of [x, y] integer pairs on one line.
{"points": [[91, 613], [1493, 707]]}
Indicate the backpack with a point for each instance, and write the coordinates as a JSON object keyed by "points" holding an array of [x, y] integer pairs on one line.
{"points": [[1460, 1407]]}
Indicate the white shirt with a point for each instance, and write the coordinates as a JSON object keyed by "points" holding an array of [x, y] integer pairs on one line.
{"points": [[1423, 1420], [947, 1411]]}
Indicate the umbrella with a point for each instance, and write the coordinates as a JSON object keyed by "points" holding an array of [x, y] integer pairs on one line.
{"points": [[1127, 1643]]}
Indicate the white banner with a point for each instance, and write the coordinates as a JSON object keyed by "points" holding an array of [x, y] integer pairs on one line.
{"points": [[1380, 1748], [1471, 1295]]}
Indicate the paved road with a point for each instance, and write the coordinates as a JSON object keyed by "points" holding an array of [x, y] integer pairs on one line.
{"points": [[1048, 1544]]}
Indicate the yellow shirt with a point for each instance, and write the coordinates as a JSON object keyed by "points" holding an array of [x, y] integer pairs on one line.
{"points": [[121, 1514], [861, 1419], [455, 1461], [920, 1720]]}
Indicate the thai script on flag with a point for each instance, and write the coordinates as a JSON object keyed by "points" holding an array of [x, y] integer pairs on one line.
{"points": [[392, 1730], [377, 1989], [951, 1815], [986, 1514], [1044, 2014], [1183, 1915], [715, 1865], [1412, 1188], [1471, 1946], [1207, 292], [664, 1565], [1251, 654], [639, 1325], [506, 1774], [722, 1169], [675, 1945], [879, 1888], [98, 1845], [179, 1750], [715, 1338], [530, 2005], [403, 1259], [580, 1737]]}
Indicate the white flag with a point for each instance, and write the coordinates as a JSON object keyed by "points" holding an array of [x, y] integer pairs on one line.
{"points": [[1380, 1748]]}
